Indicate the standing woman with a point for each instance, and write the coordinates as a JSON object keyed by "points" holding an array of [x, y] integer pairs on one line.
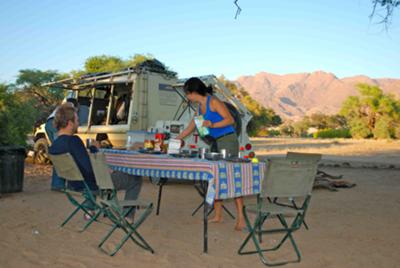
{"points": [[220, 124]]}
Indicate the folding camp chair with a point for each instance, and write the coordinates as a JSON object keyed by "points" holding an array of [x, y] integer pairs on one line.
{"points": [[284, 178], [300, 156], [116, 210], [66, 168]]}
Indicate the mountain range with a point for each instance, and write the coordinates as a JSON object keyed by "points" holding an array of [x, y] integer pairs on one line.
{"points": [[293, 96]]}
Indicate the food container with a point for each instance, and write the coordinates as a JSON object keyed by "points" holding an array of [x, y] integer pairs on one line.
{"points": [[203, 152], [135, 138], [213, 156], [159, 142], [223, 153]]}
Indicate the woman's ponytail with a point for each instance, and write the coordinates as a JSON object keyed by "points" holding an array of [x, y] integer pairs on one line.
{"points": [[209, 90]]}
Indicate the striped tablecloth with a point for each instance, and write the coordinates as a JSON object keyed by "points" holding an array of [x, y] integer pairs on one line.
{"points": [[225, 179]]}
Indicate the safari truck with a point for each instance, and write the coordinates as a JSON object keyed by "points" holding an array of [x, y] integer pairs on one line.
{"points": [[143, 99]]}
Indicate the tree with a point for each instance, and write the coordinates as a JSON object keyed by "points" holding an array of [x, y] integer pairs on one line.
{"points": [[262, 117], [323, 121], [104, 63], [16, 117], [138, 59], [372, 113], [30, 86], [384, 9], [300, 127]]}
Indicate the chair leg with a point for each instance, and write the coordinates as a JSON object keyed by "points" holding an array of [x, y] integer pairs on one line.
{"points": [[92, 219], [145, 245], [130, 230], [70, 216], [303, 221], [252, 234], [252, 230], [113, 228]]}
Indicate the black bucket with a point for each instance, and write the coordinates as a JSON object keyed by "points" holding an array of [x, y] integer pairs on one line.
{"points": [[12, 159]]}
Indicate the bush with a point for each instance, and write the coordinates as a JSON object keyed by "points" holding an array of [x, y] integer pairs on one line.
{"points": [[359, 128], [262, 133], [332, 133], [397, 131], [384, 128], [16, 117], [273, 133]]}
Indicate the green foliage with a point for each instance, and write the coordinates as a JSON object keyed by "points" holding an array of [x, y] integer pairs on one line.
{"points": [[323, 121], [262, 117], [30, 88], [287, 129], [359, 128], [138, 59], [372, 114], [31, 82], [104, 63], [397, 131], [300, 127], [16, 117], [273, 133], [332, 133], [383, 128], [262, 133]]}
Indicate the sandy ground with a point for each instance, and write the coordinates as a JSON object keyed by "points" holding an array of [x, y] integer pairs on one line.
{"points": [[339, 150], [357, 227]]}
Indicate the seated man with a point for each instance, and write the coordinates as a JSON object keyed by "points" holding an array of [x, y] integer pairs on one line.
{"points": [[57, 183], [66, 122]]}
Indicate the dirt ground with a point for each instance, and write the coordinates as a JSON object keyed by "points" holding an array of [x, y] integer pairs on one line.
{"points": [[355, 227]]}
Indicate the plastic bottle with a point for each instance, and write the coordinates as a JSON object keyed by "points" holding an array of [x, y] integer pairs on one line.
{"points": [[203, 131]]}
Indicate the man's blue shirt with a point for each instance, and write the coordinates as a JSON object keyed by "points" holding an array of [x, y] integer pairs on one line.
{"points": [[74, 145]]}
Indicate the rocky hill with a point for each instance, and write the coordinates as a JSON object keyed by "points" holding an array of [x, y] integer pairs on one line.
{"points": [[294, 95]]}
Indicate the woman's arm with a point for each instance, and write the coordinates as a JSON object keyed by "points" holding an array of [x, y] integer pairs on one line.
{"points": [[219, 107], [187, 131]]}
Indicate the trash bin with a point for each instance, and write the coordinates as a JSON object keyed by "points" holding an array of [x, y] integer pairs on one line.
{"points": [[12, 160]]}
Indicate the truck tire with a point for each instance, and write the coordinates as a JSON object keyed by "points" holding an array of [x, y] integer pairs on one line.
{"points": [[41, 149]]}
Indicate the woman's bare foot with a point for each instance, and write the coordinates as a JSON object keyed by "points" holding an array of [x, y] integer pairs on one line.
{"points": [[215, 220], [240, 225]]}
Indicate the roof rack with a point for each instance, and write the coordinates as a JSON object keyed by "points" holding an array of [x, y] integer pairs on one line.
{"points": [[91, 79]]}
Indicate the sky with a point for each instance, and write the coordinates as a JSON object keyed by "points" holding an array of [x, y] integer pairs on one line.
{"points": [[201, 37]]}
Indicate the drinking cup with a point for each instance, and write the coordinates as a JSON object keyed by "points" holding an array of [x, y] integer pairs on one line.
{"points": [[223, 153]]}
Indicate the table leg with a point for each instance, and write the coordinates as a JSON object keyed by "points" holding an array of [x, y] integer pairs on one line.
{"points": [[205, 222], [161, 183]]}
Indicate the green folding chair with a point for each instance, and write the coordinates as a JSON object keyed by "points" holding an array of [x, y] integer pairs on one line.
{"points": [[303, 156], [117, 210], [284, 178], [300, 157], [66, 168]]}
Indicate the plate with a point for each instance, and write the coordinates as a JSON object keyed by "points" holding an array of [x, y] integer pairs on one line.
{"points": [[213, 156], [184, 155], [144, 151]]}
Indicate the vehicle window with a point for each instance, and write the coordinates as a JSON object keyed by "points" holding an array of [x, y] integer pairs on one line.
{"points": [[100, 105], [120, 104]]}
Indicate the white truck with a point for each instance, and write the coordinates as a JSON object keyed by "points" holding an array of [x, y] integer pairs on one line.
{"points": [[139, 99]]}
